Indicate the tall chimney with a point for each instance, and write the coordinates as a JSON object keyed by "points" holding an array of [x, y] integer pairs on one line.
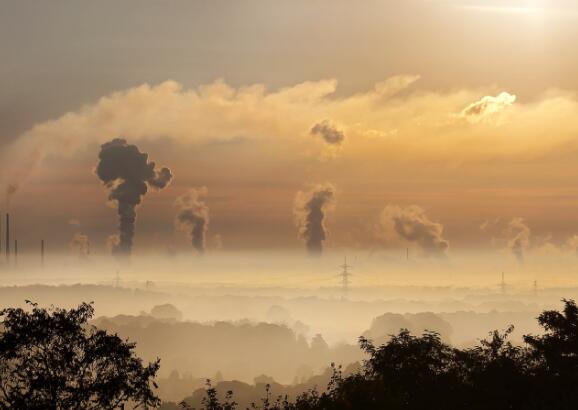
{"points": [[42, 252], [15, 251], [7, 237]]}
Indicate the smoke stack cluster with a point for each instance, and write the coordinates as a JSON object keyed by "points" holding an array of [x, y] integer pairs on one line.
{"points": [[310, 210], [128, 174], [193, 217]]}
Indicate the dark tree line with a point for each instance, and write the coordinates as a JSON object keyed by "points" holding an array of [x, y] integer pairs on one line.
{"points": [[421, 372], [53, 359]]}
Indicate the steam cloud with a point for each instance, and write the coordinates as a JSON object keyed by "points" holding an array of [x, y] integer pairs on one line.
{"points": [[328, 132], [518, 238], [310, 209], [80, 245], [193, 216], [412, 224], [127, 173]]}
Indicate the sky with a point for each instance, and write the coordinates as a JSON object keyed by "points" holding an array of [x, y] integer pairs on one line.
{"points": [[440, 125]]}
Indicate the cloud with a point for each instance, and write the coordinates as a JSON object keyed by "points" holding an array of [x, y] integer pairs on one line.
{"points": [[328, 132], [411, 225], [382, 123], [310, 210], [488, 106], [571, 244]]}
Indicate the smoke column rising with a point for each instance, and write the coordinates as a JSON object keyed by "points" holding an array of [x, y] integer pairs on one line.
{"points": [[310, 210], [127, 173], [80, 245], [412, 224], [518, 238], [193, 216]]}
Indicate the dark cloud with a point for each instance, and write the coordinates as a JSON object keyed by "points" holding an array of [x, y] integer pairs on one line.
{"points": [[328, 132], [128, 173], [310, 211], [193, 217]]}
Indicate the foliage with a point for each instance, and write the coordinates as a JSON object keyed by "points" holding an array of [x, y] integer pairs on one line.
{"points": [[421, 372], [52, 359]]}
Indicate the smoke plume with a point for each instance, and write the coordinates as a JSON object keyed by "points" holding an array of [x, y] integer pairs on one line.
{"points": [[310, 209], [127, 173], [328, 132], [10, 191], [80, 245], [518, 234], [411, 224], [193, 216]]}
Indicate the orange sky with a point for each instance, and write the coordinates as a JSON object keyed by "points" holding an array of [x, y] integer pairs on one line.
{"points": [[465, 109]]}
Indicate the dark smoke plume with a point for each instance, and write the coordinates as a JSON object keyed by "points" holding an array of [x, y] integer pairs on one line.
{"points": [[328, 132], [193, 217], [127, 173], [310, 210], [412, 224]]}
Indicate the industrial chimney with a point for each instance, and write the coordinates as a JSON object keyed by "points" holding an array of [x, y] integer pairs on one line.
{"points": [[16, 252], [42, 252]]}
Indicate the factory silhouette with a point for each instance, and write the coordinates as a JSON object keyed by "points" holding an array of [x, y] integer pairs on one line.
{"points": [[128, 175]]}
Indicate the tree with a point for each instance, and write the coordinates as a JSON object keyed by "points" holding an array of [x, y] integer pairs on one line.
{"points": [[556, 355], [53, 359], [211, 400]]}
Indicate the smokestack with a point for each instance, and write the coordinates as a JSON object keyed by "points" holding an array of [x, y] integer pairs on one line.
{"points": [[193, 217], [128, 174], [42, 252], [7, 237], [16, 251], [310, 210]]}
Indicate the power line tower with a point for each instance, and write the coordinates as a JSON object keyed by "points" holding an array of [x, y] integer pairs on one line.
{"points": [[345, 281]]}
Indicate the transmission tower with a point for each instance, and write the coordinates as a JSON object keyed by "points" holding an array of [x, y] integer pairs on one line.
{"points": [[345, 282]]}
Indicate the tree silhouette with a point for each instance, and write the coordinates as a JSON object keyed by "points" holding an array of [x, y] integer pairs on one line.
{"points": [[410, 372], [556, 355], [53, 359]]}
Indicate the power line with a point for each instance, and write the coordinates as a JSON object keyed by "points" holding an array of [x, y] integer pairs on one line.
{"points": [[345, 281]]}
